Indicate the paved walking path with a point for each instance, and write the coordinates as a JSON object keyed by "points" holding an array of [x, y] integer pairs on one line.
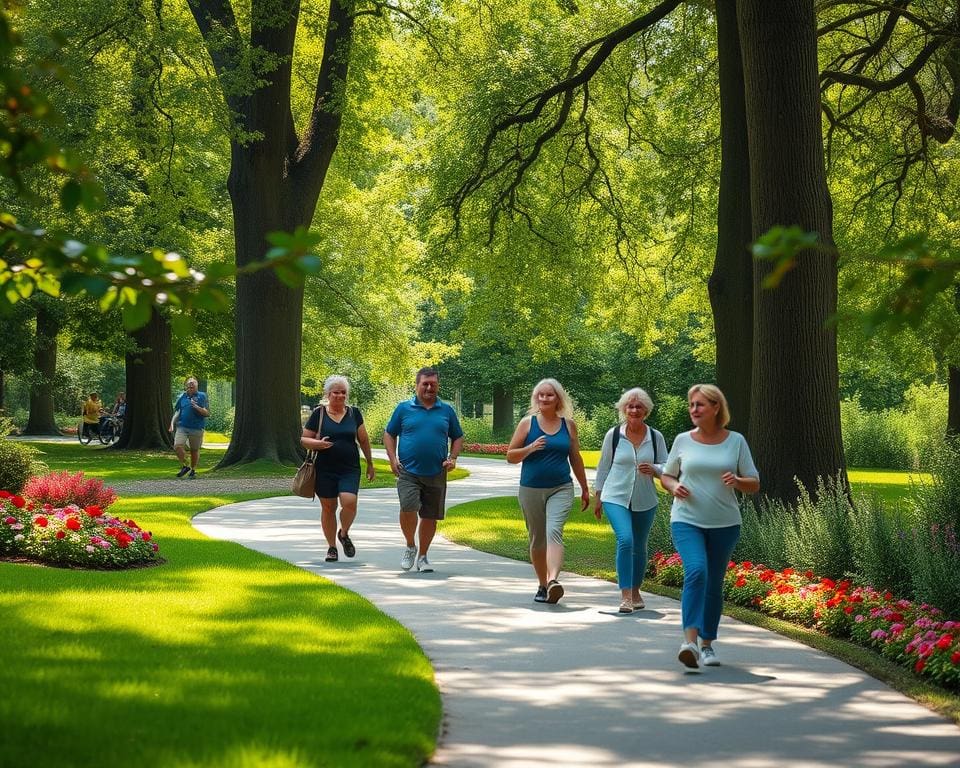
{"points": [[578, 684]]}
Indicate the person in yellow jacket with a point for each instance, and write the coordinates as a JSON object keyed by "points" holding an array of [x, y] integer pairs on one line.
{"points": [[91, 413]]}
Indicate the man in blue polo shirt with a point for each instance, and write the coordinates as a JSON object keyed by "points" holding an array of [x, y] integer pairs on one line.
{"points": [[424, 426], [190, 414]]}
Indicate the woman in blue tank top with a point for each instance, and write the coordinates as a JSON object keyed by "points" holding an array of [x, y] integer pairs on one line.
{"points": [[545, 444]]}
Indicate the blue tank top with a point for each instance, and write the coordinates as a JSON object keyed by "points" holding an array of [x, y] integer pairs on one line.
{"points": [[549, 467]]}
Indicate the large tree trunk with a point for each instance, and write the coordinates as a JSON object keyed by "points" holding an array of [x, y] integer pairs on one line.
{"points": [[731, 283], [795, 412], [953, 400], [41, 420], [149, 407], [502, 409], [275, 182]]}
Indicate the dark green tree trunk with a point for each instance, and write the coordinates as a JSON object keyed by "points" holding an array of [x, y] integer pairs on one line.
{"points": [[731, 282], [502, 409], [274, 184], [149, 405], [41, 420], [953, 400], [795, 412]]}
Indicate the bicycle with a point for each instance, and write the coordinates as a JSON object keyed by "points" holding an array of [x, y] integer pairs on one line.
{"points": [[110, 429], [85, 432]]}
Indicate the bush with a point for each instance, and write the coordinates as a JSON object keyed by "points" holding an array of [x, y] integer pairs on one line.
{"points": [[61, 489], [17, 463], [881, 549], [935, 565], [590, 430], [938, 501], [763, 532], [476, 430], [670, 416], [72, 536], [882, 439], [378, 413], [221, 420], [819, 539]]}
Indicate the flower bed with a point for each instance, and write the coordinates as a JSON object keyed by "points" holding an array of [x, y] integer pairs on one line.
{"points": [[491, 448], [916, 636], [85, 537]]}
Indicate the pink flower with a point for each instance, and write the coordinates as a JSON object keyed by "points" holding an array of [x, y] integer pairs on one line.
{"points": [[90, 548]]}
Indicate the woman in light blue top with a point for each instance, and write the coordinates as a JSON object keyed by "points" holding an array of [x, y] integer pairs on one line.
{"points": [[632, 454], [705, 468], [546, 443]]}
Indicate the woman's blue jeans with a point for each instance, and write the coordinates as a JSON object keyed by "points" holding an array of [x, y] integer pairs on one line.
{"points": [[705, 553], [632, 530]]}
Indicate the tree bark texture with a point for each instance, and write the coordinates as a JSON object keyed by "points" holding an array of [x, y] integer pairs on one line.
{"points": [[731, 282], [795, 412], [953, 400], [502, 409], [41, 420], [149, 406], [274, 185]]}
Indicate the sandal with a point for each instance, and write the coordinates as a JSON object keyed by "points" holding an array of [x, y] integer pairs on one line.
{"points": [[348, 549], [332, 555]]}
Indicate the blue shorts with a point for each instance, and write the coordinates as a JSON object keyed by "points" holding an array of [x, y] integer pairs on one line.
{"points": [[330, 485]]}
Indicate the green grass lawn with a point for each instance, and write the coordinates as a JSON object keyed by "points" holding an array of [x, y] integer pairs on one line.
{"points": [[114, 466], [221, 657]]}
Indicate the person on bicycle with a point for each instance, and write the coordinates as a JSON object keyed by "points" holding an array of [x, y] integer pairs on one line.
{"points": [[91, 413], [116, 412]]}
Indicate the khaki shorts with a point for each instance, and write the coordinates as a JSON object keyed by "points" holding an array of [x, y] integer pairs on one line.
{"points": [[545, 512], [191, 437], [425, 494]]}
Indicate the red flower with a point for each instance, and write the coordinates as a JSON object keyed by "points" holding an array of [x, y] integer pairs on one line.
{"points": [[73, 524], [828, 583], [955, 658], [17, 501], [40, 520], [945, 641], [808, 575], [123, 540], [9, 520], [146, 536], [93, 511], [5, 494], [918, 667], [888, 596], [747, 564], [848, 609], [741, 582], [61, 534]]}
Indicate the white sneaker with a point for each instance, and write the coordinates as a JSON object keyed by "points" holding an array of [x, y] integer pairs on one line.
{"points": [[689, 655], [423, 565], [409, 555], [708, 657]]}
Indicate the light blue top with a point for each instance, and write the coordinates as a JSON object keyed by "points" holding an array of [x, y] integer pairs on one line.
{"points": [[618, 480], [189, 418], [550, 466], [424, 435], [699, 467]]}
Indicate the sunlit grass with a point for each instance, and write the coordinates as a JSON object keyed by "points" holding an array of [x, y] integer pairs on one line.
{"points": [[220, 657]]}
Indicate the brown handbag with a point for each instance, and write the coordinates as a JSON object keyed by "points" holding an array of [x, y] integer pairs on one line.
{"points": [[304, 482]]}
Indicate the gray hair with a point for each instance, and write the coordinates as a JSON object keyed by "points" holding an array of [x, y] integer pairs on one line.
{"points": [[330, 381], [634, 394]]}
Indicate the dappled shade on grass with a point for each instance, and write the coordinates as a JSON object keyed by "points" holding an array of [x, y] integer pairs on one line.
{"points": [[222, 657]]}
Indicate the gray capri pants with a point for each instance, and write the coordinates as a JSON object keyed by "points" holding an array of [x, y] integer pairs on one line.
{"points": [[545, 511]]}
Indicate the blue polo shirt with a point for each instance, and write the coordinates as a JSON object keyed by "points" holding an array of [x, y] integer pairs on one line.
{"points": [[189, 418], [424, 435]]}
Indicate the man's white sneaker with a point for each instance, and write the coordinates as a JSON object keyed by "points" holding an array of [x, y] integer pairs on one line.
{"points": [[689, 655], [423, 565], [409, 555], [708, 657]]}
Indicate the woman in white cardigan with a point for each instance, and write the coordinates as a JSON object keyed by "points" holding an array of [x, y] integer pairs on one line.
{"points": [[632, 454]]}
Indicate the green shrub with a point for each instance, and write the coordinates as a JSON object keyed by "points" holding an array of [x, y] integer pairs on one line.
{"points": [[377, 413], [938, 500], [881, 549], [819, 539], [670, 416], [591, 430], [477, 430], [926, 406], [882, 439], [763, 532], [17, 463], [935, 563], [221, 419]]}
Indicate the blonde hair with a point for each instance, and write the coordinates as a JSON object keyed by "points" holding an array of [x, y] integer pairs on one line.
{"points": [[564, 403], [714, 395], [634, 394]]}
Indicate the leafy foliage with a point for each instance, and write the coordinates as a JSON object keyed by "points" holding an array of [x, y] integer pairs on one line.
{"points": [[62, 489], [17, 463]]}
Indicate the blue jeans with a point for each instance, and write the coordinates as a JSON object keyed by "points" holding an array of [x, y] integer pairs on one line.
{"points": [[632, 530], [705, 553]]}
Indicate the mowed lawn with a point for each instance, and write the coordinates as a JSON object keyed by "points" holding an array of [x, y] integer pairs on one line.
{"points": [[219, 657]]}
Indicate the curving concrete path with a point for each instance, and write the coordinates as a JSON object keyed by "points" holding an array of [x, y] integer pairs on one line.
{"points": [[578, 684]]}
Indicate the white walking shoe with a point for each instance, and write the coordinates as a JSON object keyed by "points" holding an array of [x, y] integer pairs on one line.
{"points": [[689, 655], [423, 565], [409, 555], [708, 657]]}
